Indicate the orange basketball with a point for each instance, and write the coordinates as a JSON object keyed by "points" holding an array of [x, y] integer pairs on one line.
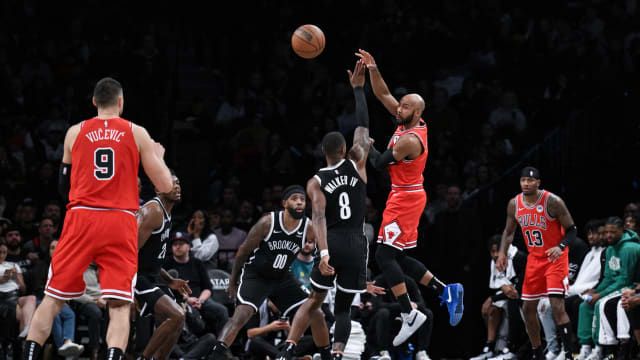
{"points": [[308, 41]]}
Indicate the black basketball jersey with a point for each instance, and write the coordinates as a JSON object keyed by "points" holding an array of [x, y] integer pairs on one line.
{"points": [[278, 249], [151, 255], [346, 194]]}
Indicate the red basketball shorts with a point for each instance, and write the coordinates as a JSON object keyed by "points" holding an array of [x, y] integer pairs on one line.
{"points": [[401, 217], [108, 237], [543, 278]]}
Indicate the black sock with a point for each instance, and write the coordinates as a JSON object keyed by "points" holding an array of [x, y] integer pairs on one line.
{"points": [[405, 303], [491, 345], [220, 347], [114, 354], [565, 337], [538, 352], [31, 350], [325, 352], [436, 285]]}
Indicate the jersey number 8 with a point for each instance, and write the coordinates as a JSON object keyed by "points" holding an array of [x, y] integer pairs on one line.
{"points": [[103, 161], [345, 210]]}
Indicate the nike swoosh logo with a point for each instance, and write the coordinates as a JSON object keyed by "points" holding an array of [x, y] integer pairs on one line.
{"points": [[449, 292], [410, 323], [276, 231], [520, 209]]}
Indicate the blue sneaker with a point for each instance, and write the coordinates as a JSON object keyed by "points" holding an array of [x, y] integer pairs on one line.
{"points": [[453, 295]]}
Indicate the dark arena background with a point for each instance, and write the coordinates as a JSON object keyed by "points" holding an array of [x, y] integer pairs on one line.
{"points": [[508, 84]]}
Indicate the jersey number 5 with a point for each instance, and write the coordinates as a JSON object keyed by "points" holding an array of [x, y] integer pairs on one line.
{"points": [[534, 238], [103, 161]]}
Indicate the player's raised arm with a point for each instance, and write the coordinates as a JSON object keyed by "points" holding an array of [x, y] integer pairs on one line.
{"points": [[319, 222], [256, 234], [150, 218], [380, 88], [361, 141], [507, 235], [152, 157]]}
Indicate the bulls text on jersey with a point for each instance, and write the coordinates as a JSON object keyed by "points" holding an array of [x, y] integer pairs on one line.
{"points": [[535, 220]]}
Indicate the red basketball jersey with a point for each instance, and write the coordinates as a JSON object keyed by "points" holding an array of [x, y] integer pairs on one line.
{"points": [[540, 231], [104, 166], [407, 174]]}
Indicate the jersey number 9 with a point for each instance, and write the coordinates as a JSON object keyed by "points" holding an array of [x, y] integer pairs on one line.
{"points": [[103, 162]]}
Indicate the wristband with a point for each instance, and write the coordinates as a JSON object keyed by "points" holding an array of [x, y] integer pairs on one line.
{"points": [[324, 253]]}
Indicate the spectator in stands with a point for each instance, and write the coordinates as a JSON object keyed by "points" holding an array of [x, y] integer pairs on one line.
{"points": [[38, 248], [589, 273], [64, 324], [92, 306], [246, 216], [265, 330], [204, 244], [25, 219], [11, 286], [632, 208], [194, 271], [192, 344], [53, 210], [622, 256], [230, 239], [302, 265], [17, 254], [494, 309], [632, 223]]}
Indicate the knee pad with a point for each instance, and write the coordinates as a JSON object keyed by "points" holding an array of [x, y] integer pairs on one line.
{"points": [[386, 258], [412, 267]]}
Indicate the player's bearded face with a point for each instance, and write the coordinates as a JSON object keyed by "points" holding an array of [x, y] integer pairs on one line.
{"points": [[529, 185], [296, 213], [404, 119]]}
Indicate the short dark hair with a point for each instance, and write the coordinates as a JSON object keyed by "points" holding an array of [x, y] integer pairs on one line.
{"points": [[615, 220], [593, 225], [106, 92], [332, 143], [494, 240]]}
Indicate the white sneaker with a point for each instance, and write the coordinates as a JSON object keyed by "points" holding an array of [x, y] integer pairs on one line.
{"points": [[422, 355], [504, 355], [484, 355], [317, 356], [562, 356], [384, 355], [585, 351], [410, 323], [596, 354], [551, 356], [70, 349]]}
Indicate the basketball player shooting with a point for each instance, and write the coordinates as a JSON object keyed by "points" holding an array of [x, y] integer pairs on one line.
{"points": [[405, 159]]}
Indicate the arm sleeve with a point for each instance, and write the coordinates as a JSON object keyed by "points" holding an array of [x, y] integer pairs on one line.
{"points": [[362, 112], [64, 180], [380, 161]]}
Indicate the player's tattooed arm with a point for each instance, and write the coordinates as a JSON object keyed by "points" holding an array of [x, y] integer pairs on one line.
{"points": [[255, 236], [380, 88], [507, 235], [558, 209], [150, 218]]}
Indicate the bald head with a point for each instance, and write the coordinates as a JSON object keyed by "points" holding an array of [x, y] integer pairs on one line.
{"points": [[410, 109], [416, 100]]}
